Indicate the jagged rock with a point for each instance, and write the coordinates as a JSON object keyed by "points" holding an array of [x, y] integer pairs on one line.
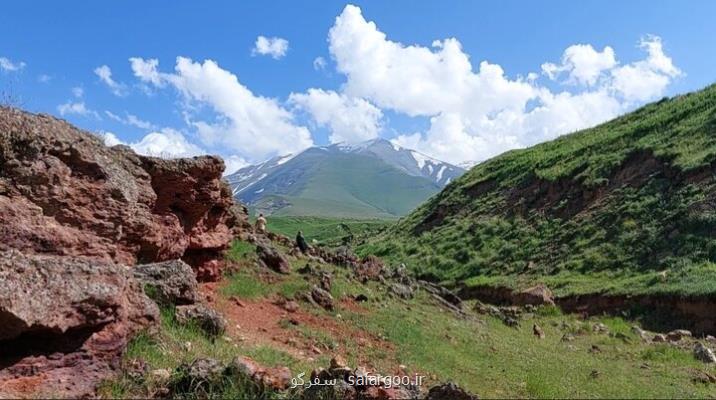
{"points": [[449, 391], [64, 323], [369, 268], [198, 377], [207, 319], [536, 295], [703, 353], [659, 338], [63, 192], [322, 298], [168, 282], [402, 291], [325, 281], [272, 378], [678, 334], [272, 258]]}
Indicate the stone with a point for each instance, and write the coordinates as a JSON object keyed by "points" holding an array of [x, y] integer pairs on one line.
{"points": [[207, 319], [290, 306], [640, 333], [659, 338], [678, 334], [272, 258], [537, 331], [703, 353], [361, 298], [278, 378], [600, 328], [65, 193], [64, 322], [369, 268], [322, 298], [449, 391], [402, 291], [168, 282]]}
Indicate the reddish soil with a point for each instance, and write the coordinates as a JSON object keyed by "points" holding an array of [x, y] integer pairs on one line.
{"points": [[263, 322]]}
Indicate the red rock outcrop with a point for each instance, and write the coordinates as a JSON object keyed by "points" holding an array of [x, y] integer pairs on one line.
{"points": [[64, 323], [63, 192]]}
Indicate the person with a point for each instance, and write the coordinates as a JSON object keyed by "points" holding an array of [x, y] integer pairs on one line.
{"points": [[301, 243], [261, 224]]}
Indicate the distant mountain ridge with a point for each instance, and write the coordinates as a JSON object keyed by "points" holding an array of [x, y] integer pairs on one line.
{"points": [[370, 179]]}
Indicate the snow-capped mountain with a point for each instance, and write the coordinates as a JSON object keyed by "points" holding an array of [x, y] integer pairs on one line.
{"points": [[374, 178]]}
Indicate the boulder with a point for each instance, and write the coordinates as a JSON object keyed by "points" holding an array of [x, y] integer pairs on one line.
{"points": [[703, 353], [168, 282], [63, 192], [449, 391], [204, 317], [536, 295], [272, 258], [402, 291], [199, 377], [369, 268], [678, 334], [64, 323], [278, 378], [322, 298]]}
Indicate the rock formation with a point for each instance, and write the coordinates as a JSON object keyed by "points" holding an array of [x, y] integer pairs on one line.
{"points": [[63, 192], [64, 323]]}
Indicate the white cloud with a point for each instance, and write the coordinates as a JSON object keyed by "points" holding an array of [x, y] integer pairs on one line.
{"points": [[476, 114], [8, 65], [233, 163], [78, 92], [274, 46], [109, 138], [350, 119], [319, 63], [76, 108], [583, 64], [44, 78], [146, 70], [131, 120], [105, 75], [647, 79], [251, 126], [167, 143]]}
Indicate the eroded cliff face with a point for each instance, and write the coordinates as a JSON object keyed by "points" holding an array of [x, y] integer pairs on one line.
{"points": [[63, 192]]}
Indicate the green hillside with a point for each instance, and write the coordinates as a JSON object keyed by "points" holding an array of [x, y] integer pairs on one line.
{"points": [[336, 184], [604, 209]]}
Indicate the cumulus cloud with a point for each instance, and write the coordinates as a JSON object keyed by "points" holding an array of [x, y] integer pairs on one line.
{"points": [[105, 75], [477, 113], [274, 46], [164, 143], [7, 65], [350, 119], [76, 108], [583, 63], [252, 126], [78, 91]]}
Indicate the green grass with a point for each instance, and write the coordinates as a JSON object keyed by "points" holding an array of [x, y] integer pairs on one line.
{"points": [[482, 354], [325, 230], [494, 225]]}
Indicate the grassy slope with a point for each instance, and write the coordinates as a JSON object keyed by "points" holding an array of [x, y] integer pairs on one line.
{"points": [[478, 352], [345, 185], [325, 230], [477, 230]]}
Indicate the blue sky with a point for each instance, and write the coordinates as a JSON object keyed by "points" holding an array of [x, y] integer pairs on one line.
{"points": [[382, 73]]}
